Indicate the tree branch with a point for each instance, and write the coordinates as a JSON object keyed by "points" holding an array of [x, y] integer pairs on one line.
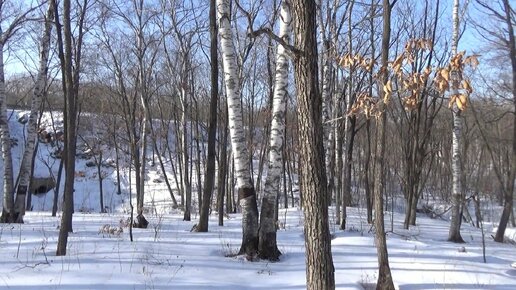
{"points": [[265, 30], [271, 34]]}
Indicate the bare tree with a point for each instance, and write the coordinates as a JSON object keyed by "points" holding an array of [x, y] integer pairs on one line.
{"points": [[70, 59], [139, 18], [384, 281], [499, 34], [319, 262], [509, 191], [209, 177], [184, 42]]}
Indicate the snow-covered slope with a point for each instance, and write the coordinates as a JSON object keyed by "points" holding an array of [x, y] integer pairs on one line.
{"points": [[86, 196]]}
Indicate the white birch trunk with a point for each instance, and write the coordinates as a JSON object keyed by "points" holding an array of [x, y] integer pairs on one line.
{"points": [[143, 157], [37, 97], [328, 127], [184, 139], [5, 140], [140, 196], [326, 99], [246, 192], [454, 234], [267, 247]]}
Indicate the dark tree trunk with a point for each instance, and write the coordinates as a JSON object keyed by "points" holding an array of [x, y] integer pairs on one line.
{"points": [[384, 272], [70, 65], [209, 177], [117, 162], [222, 175], [101, 179], [319, 263], [346, 184], [367, 182], [163, 170], [509, 192]]}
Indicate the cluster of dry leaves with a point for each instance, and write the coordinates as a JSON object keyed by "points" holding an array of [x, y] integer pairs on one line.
{"points": [[411, 85]]}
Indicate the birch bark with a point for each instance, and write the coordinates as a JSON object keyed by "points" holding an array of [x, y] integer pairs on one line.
{"points": [[267, 245], [5, 140], [327, 110], [184, 136], [5, 136], [37, 96], [454, 233], [246, 191]]}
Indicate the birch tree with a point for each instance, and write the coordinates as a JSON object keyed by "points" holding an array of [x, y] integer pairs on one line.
{"points": [[7, 10], [37, 96], [326, 85], [267, 245], [245, 187], [454, 233], [184, 99]]}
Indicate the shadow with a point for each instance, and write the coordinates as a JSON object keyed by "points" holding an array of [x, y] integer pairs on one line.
{"points": [[83, 286], [455, 286]]}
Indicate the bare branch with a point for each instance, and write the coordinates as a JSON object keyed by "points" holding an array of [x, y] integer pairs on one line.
{"points": [[271, 34], [16, 24]]}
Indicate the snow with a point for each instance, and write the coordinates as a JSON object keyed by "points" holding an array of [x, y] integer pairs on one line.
{"points": [[167, 255], [510, 234]]}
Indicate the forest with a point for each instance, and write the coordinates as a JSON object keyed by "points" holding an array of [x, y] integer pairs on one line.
{"points": [[254, 126]]}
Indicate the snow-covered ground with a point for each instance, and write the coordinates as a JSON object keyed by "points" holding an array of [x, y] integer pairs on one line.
{"points": [[167, 255]]}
